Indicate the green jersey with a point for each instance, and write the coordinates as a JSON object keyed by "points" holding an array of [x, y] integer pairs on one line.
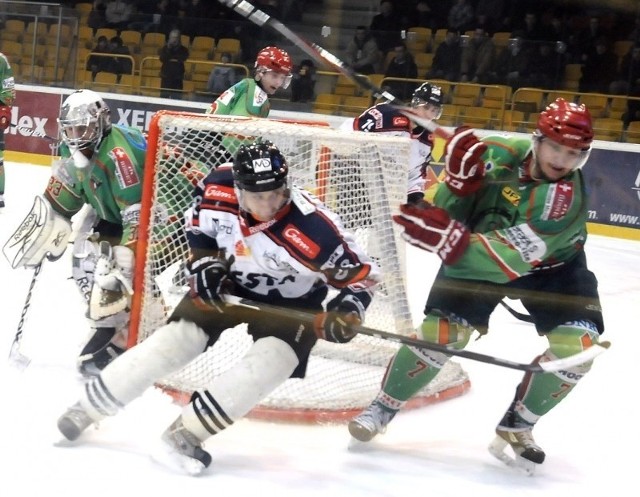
{"points": [[245, 98], [518, 224], [114, 186], [7, 83]]}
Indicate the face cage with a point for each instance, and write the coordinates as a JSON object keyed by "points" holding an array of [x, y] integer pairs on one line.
{"points": [[84, 139], [286, 189], [538, 137], [418, 102], [287, 80]]}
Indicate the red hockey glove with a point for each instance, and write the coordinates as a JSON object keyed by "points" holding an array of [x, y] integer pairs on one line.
{"points": [[463, 162], [5, 117], [432, 229]]}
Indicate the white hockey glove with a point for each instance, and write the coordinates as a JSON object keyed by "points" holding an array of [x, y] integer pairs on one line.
{"points": [[43, 233], [206, 277], [112, 281]]}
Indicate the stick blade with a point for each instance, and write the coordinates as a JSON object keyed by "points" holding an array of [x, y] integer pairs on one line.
{"points": [[576, 359], [17, 359]]}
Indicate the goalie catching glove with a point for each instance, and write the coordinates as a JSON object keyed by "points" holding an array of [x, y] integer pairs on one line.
{"points": [[432, 229], [463, 162], [337, 324], [206, 277]]}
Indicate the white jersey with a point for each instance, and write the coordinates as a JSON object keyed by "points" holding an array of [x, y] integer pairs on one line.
{"points": [[303, 249], [383, 118]]}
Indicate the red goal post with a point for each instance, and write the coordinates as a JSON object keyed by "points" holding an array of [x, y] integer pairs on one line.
{"points": [[359, 175]]}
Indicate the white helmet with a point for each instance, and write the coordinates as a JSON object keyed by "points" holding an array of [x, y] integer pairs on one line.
{"points": [[84, 120]]}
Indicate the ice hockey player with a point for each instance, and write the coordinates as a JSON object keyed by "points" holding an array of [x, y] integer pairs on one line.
{"points": [[250, 96], [427, 101], [101, 166], [7, 95], [253, 235], [508, 220]]}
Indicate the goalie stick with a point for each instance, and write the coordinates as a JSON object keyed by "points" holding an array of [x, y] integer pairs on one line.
{"points": [[16, 357], [542, 367]]}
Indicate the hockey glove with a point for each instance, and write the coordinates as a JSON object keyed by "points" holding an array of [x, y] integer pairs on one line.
{"points": [[206, 277], [463, 162], [5, 117], [432, 229], [336, 325]]}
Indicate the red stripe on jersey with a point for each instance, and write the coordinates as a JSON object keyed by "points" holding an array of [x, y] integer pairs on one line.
{"points": [[504, 267]]}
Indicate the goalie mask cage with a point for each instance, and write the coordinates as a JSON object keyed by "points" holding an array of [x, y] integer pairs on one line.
{"points": [[361, 176]]}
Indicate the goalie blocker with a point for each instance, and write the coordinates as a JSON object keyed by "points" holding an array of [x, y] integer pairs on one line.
{"points": [[42, 233]]}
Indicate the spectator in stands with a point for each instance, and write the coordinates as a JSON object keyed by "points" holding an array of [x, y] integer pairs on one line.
{"points": [[628, 80], [512, 65], [599, 68], [155, 16], [478, 56], [446, 60], [172, 55], [196, 20], [586, 38], [530, 28], [492, 13], [461, 16], [628, 83], [386, 26], [98, 60], [402, 66], [97, 17], [362, 52], [119, 14], [222, 77], [424, 15], [303, 82], [546, 65], [121, 64]]}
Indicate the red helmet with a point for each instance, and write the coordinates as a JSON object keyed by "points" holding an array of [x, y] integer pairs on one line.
{"points": [[274, 59], [567, 124]]}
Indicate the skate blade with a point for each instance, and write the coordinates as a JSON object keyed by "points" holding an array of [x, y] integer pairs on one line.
{"points": [[497, 450], [167, 457], [360, 433]]}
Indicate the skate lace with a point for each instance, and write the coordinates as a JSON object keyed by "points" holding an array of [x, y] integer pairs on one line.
{"points": [[375, 417]]}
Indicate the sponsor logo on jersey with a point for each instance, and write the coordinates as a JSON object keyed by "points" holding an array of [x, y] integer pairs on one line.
{"points": [[301, 242], [531, 247], [219, 193], [400, 122], [125, 171], [512, 196], [259, 97], [241, 250], [558, 201]]}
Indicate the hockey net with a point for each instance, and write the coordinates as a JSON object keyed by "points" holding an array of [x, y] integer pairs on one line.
{"points": [[360, 176]]}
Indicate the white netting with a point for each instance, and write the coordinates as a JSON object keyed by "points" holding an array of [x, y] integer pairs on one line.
{"points": [[361, 176]]}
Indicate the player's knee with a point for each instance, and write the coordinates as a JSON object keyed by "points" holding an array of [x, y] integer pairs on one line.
{"points": [[572, 337], [442, 330], [569, 339]]}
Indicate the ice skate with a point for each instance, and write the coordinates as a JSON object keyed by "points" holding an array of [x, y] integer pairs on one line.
{"points": [[373, 420], [73, 422], [1, 201], [527, 455], [181, 451]]}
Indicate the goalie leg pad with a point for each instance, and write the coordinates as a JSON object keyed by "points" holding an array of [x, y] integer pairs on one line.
{"points": [[43, 233], [83, 264], [167, 350], [268, 363]]}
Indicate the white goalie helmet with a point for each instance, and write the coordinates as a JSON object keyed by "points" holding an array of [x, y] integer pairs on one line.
{"points": [[84, 120]]}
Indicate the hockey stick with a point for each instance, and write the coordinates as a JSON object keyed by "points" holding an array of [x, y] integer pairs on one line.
{"points": [[322, 56], [35, 134], [518, 315], [542, 367], [16, 357]]}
